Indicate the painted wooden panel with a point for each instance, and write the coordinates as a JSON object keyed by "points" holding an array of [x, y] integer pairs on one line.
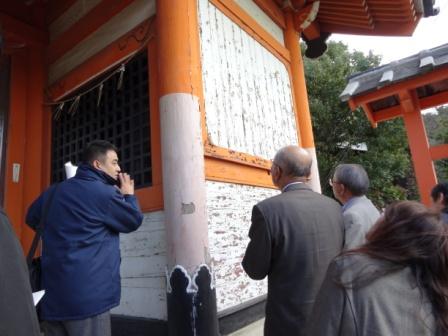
{"points": [[229, 208], [143, 266], [71, 16], [143, 270], [262, 19], [119, 25], [247, 90], [148, 301]]}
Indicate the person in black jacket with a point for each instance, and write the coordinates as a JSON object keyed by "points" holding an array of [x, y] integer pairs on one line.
{"points": [[293, 238], [80, 250], [17, 312]]}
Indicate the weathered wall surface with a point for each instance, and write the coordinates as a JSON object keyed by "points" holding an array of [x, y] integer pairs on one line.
{"points": [[143, 252], [248, 98], [143, 264], [229, 209]]}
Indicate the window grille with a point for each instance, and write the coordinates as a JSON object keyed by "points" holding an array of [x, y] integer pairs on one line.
{"points": [[121, 118]]}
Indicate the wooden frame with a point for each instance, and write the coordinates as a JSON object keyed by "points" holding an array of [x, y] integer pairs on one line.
{"points": [[273, 11], [151, 198], [227, 165]]}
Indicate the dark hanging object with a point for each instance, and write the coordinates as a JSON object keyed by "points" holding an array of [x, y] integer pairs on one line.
{"points": [[317, 46], [120, 78], [429, 9]]}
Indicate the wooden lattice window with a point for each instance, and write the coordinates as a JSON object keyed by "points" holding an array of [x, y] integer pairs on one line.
{"points": [[122, 118]]}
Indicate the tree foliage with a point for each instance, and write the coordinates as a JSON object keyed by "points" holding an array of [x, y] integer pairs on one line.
{"points": [[337, 129]]}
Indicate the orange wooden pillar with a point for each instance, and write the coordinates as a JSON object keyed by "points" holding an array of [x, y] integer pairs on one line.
{"points": [[33, 174], [418, 143], [15, 150], [191, 297], [301, 97], [25, 137]]}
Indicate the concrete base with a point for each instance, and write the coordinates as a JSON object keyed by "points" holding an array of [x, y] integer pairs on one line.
{"points": [[253, 329]]}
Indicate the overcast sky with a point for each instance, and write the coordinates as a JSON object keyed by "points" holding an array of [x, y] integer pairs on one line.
{"points": [[430, 32]]}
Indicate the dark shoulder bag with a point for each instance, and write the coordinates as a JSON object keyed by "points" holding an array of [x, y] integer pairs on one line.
{"points": [[34, 264]]}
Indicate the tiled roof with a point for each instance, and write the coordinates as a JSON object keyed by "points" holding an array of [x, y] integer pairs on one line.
{"points": [[397, 71]]}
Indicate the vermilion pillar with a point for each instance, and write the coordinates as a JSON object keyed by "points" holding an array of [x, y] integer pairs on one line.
{"points": [[301, 98], [190, 293], [418, 143], [32, 170]]}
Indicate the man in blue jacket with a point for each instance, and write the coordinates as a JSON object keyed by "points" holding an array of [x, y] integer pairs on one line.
{"points": [[80, 253]]}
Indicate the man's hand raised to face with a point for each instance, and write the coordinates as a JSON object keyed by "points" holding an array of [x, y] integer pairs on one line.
{"points": [[126, 184]]}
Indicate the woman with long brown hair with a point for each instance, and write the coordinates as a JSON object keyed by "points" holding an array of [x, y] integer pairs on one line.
{"points": [[395, 284]]}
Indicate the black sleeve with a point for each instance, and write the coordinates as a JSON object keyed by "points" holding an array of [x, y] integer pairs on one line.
{"points": [[257, 260]]}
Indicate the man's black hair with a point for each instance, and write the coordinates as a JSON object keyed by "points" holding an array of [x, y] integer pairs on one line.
{"points": [[96, 150], [440, 188]]}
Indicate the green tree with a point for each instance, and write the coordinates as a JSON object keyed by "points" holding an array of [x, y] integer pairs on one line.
{"points": [[337, 129]]}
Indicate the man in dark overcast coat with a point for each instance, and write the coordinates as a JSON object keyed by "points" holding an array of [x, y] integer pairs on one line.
{"points": [[81, 250], [293, 238]]}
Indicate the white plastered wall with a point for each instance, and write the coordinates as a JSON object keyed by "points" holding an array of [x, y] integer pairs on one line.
{"points": [[249, 109]]}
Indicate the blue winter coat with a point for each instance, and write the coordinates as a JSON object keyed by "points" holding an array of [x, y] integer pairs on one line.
{"points": [[81, 253]]}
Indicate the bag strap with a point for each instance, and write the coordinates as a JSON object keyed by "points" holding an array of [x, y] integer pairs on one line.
{"points": [[40, 227]]}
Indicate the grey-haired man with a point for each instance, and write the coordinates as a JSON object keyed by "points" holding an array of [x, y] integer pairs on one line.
{"points": [[350, 185]]}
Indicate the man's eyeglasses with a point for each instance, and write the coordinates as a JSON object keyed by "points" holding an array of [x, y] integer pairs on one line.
{"points": [[331, 182]]}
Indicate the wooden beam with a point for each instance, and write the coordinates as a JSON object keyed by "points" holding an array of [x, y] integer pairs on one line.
{"points": [[225, 154], [407, 101], [56, 8], [434, 100], [439, 152], [387, 114], [380, 28], [23, 31], [273, 11], [369, 114], [365, 24], [99, 15], [105, 59], [220, 170]]}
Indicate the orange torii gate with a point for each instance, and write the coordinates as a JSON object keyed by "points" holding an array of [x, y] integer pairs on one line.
{"points": [[403, 89]]}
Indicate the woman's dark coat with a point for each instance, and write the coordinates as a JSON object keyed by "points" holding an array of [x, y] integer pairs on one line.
{"points": [[17, 312]]}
